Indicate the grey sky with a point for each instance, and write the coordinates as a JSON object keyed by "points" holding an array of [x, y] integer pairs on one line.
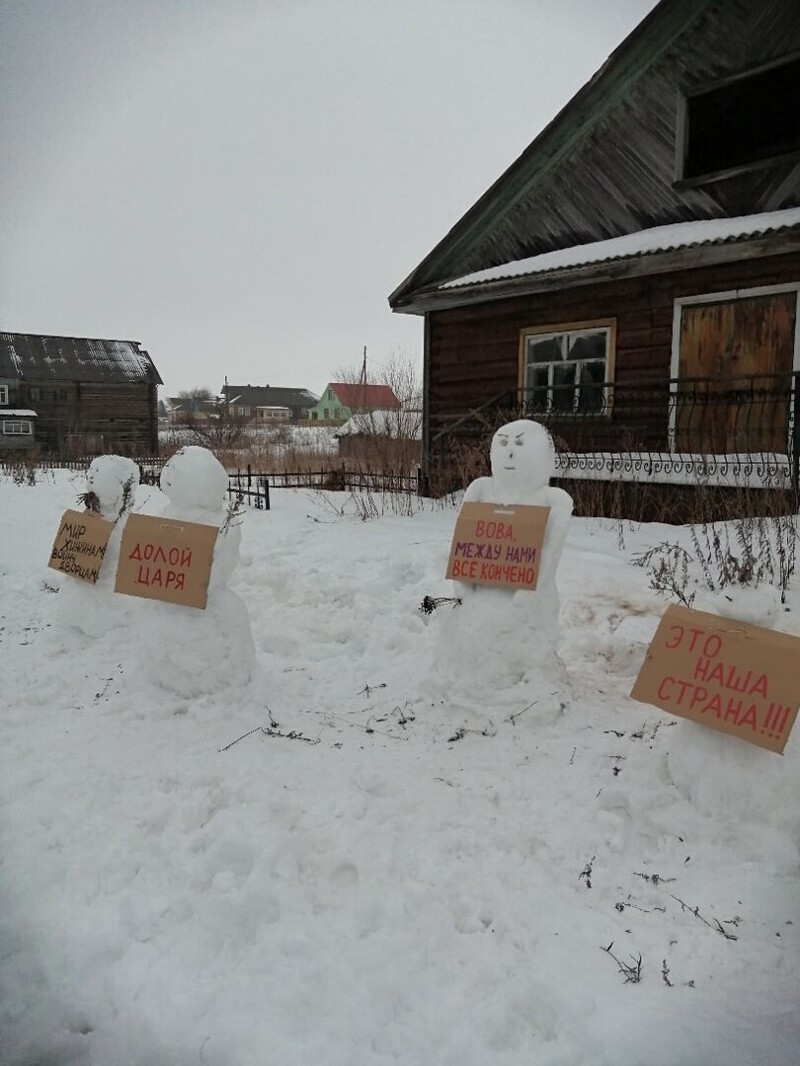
{"points": [[240, 184]]}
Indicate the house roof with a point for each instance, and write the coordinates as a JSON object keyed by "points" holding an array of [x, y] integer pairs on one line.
{"points": [[268, 396], [7, 412], [372, 397], [33, 357], [394, 423], [194, 404], [644, 242], [604, 167]]}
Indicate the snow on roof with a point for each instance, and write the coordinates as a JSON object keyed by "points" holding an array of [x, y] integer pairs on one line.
{"points": [[8, 412], [643, 242], [382, 423]]}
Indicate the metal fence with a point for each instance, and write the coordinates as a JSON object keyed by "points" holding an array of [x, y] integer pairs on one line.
{"points": [[726, 431]]}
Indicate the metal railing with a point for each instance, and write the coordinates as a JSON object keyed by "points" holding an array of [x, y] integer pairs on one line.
{"points": [[740, 429]]}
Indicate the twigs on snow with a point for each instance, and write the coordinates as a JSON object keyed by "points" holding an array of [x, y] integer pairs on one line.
{"points": [[632, 971], [489, 730], [272, 730], [716, 926], [430, 603]]}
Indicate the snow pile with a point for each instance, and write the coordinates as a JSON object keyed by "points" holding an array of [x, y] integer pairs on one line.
{"points": [[334, 870]]}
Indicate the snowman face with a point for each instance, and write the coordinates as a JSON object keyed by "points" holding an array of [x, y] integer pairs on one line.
{"points": [[113, 480], [522, 456], [194, 479]]}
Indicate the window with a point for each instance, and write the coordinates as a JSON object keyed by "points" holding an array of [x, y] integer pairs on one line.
{"points": [[17, 428], [3, 394], [741, 121], [564, 369], [34, 394]]}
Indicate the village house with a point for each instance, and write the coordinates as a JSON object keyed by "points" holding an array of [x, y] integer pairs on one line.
{"points": [[266, 405], [632, 279], [341, 400], [76, 396]]}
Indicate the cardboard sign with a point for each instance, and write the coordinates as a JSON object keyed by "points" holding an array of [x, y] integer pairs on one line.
{"points": [[735, 677], [498, 545], [80, 545], [164, 559]]}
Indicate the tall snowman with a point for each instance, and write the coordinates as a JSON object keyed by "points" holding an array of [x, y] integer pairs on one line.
{"points": [[111, 485], [500, 637], [188, 651]]}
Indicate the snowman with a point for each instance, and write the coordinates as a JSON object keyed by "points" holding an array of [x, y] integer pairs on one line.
{"points": [[188, 651], [111, 485], [501, 637]]}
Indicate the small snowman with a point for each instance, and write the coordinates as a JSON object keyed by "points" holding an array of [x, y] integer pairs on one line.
{"points": [[196, 652], [499, 637], [111, 485]]}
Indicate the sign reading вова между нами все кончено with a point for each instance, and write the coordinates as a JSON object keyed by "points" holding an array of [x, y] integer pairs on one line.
{"points": [[80, 545], [735, 677], [498, 545], [166, 559]]}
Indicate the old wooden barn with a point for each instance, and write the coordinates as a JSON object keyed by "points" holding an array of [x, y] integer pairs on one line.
{"points": [[85, 396], [632, 279]]}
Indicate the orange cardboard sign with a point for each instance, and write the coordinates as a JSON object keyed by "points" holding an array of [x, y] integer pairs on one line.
{"points": [[498, 545], [164, 559], [732, 676], [80, 545]]}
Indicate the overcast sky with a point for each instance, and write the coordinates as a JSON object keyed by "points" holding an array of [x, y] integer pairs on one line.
{"points": [[239, 184]]}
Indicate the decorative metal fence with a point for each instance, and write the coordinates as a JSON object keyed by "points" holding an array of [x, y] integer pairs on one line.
{"points": [[721, 431]]}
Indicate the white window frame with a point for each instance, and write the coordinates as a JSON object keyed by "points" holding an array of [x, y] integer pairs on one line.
{"points": [[728, 296], [560, 330], [3, 394], [17, 427]]}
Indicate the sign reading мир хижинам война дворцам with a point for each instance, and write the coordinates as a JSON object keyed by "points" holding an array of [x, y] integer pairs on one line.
{"points": [[80, 545], [165, 559], [735, 677], [498, 545]]}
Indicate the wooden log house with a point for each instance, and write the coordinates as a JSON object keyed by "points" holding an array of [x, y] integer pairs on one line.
{"points": [[87, 396], [633, 278]]}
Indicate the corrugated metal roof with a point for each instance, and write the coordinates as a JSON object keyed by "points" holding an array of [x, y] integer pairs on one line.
{"points": [[373, 397], [268, 396], [40, 358], [633, 245]]}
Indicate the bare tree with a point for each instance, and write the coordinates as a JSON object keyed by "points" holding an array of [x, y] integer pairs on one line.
{"points": [[387, 440]]}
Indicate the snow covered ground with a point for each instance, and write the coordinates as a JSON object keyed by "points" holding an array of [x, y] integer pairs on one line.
{"points": [[385, 871]]}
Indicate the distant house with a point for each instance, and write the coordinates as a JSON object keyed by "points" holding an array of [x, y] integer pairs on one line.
{"points": [[183, 410], [340, 401], [268, 404], [86, 396], [388, 441], [633, 278]]}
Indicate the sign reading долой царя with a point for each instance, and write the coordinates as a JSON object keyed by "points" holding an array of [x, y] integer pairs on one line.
{"points": [[166, 559], [735, 677], [498, 545]]}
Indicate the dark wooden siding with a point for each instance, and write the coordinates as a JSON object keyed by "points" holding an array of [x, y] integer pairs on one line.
{"points": [[474, 350], [82, 418]]}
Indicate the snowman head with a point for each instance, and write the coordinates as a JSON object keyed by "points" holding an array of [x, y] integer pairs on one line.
{"points": [[523, 459], [195, 479], [111, 484]]}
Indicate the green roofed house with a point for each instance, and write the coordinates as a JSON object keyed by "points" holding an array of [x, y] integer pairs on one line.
{"points": [[632, 279], [78, 396]]}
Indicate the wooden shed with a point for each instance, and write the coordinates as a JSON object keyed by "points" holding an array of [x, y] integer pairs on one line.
{"points": [[632, 279], [89, 396]]}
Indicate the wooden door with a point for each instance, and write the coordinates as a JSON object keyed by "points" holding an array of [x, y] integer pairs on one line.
{"points": [[734, 364]]}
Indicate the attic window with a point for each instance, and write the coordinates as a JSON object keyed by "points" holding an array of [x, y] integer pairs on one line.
{"points": [[4, 395], [742, 121]]}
